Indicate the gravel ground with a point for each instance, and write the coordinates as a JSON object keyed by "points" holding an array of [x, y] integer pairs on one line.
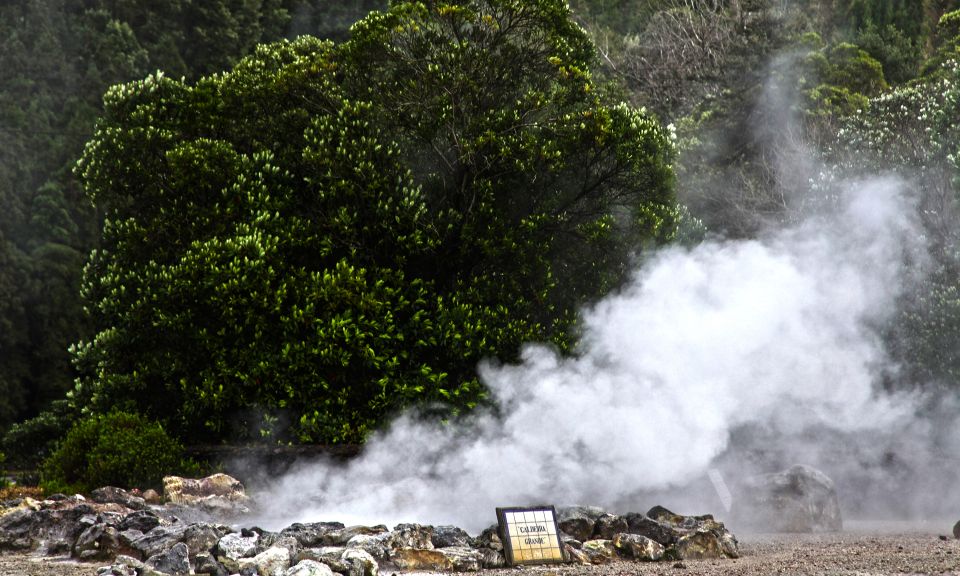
{"points": [[863, 550]]}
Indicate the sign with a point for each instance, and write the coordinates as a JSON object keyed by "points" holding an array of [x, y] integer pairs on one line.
{"points": [[530, 535]]}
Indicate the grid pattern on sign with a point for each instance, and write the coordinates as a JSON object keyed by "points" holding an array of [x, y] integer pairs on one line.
{"points": [[533, 536]]}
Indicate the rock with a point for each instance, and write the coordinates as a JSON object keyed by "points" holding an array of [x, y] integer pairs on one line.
{"points": [[150, 496], [233, 547], [205, 563], [412, 536], [570, 540], [599, 551], [341, 536], [312, 534], [956, 530], [638, 547], [97, 542], [361, 563], [202, 537], [376, 546], [463, 558], [123, 566], [800, 499], [490, 558], [142, 520], [309, 568], [643, 525], [446, 536], [111, 494], [173, 561], [576, 555], [274, 540], [270, 562], [688, 527], [329, 555], [490, 538], [198, 537], [420, 559], [699, 545], [579, 521], [219, 494], [608, 525], [50, 527]]}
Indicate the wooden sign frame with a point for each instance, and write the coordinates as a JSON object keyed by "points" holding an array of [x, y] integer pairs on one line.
{"points": [[530, 535]]}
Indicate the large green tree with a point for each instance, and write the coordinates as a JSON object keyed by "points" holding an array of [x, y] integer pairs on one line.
{"points": [[328, 233]]}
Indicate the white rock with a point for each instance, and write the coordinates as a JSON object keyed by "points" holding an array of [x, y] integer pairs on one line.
{"points": [[270, 562], [309, 568]]}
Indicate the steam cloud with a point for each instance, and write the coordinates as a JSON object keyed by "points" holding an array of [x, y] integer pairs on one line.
{"points": [[704, 352]]}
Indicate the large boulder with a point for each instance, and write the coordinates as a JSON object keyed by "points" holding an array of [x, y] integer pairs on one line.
{"points": [[113, 495], [173, 561], [446, 536], [219, 493], [800, 499], [695, 537], [270, 562], [599, 551], [579, 521], [313, 534], [638, 547]]}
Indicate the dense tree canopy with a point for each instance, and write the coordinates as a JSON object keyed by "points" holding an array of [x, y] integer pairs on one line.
{"points": [[330, 232]]}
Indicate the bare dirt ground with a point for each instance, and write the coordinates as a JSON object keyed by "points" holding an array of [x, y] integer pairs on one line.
{"points": [[862, 550]]}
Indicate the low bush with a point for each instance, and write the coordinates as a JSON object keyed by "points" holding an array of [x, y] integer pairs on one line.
{"points": [[120, 449]]}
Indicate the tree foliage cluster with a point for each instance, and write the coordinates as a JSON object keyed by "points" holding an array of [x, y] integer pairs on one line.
{"points": [[331, 232], [57, 57]]}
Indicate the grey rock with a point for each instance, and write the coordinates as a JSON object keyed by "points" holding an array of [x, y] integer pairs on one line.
{"points": [[638, 547], [645, 526], [376, 546], [205, 563], [174, 561], [99, 541], [579, 521], [158, 540], [329, 555], [142, 520], [490, 538], [956, 530], [609, 525], [275, 540], [800, 499], [312, 534], [342, 536], [113, 495], [412, 536], [445, 536], [50, 527], [490, 558]]}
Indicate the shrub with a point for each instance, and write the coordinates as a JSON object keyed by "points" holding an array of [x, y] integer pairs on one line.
{"points": [[28, 443], [120, 449]]}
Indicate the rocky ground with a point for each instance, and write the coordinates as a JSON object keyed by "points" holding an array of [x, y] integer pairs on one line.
{"points": [[861, 550]]}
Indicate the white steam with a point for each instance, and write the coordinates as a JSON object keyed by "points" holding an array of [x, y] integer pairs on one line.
{"points": [[778, 334]]}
